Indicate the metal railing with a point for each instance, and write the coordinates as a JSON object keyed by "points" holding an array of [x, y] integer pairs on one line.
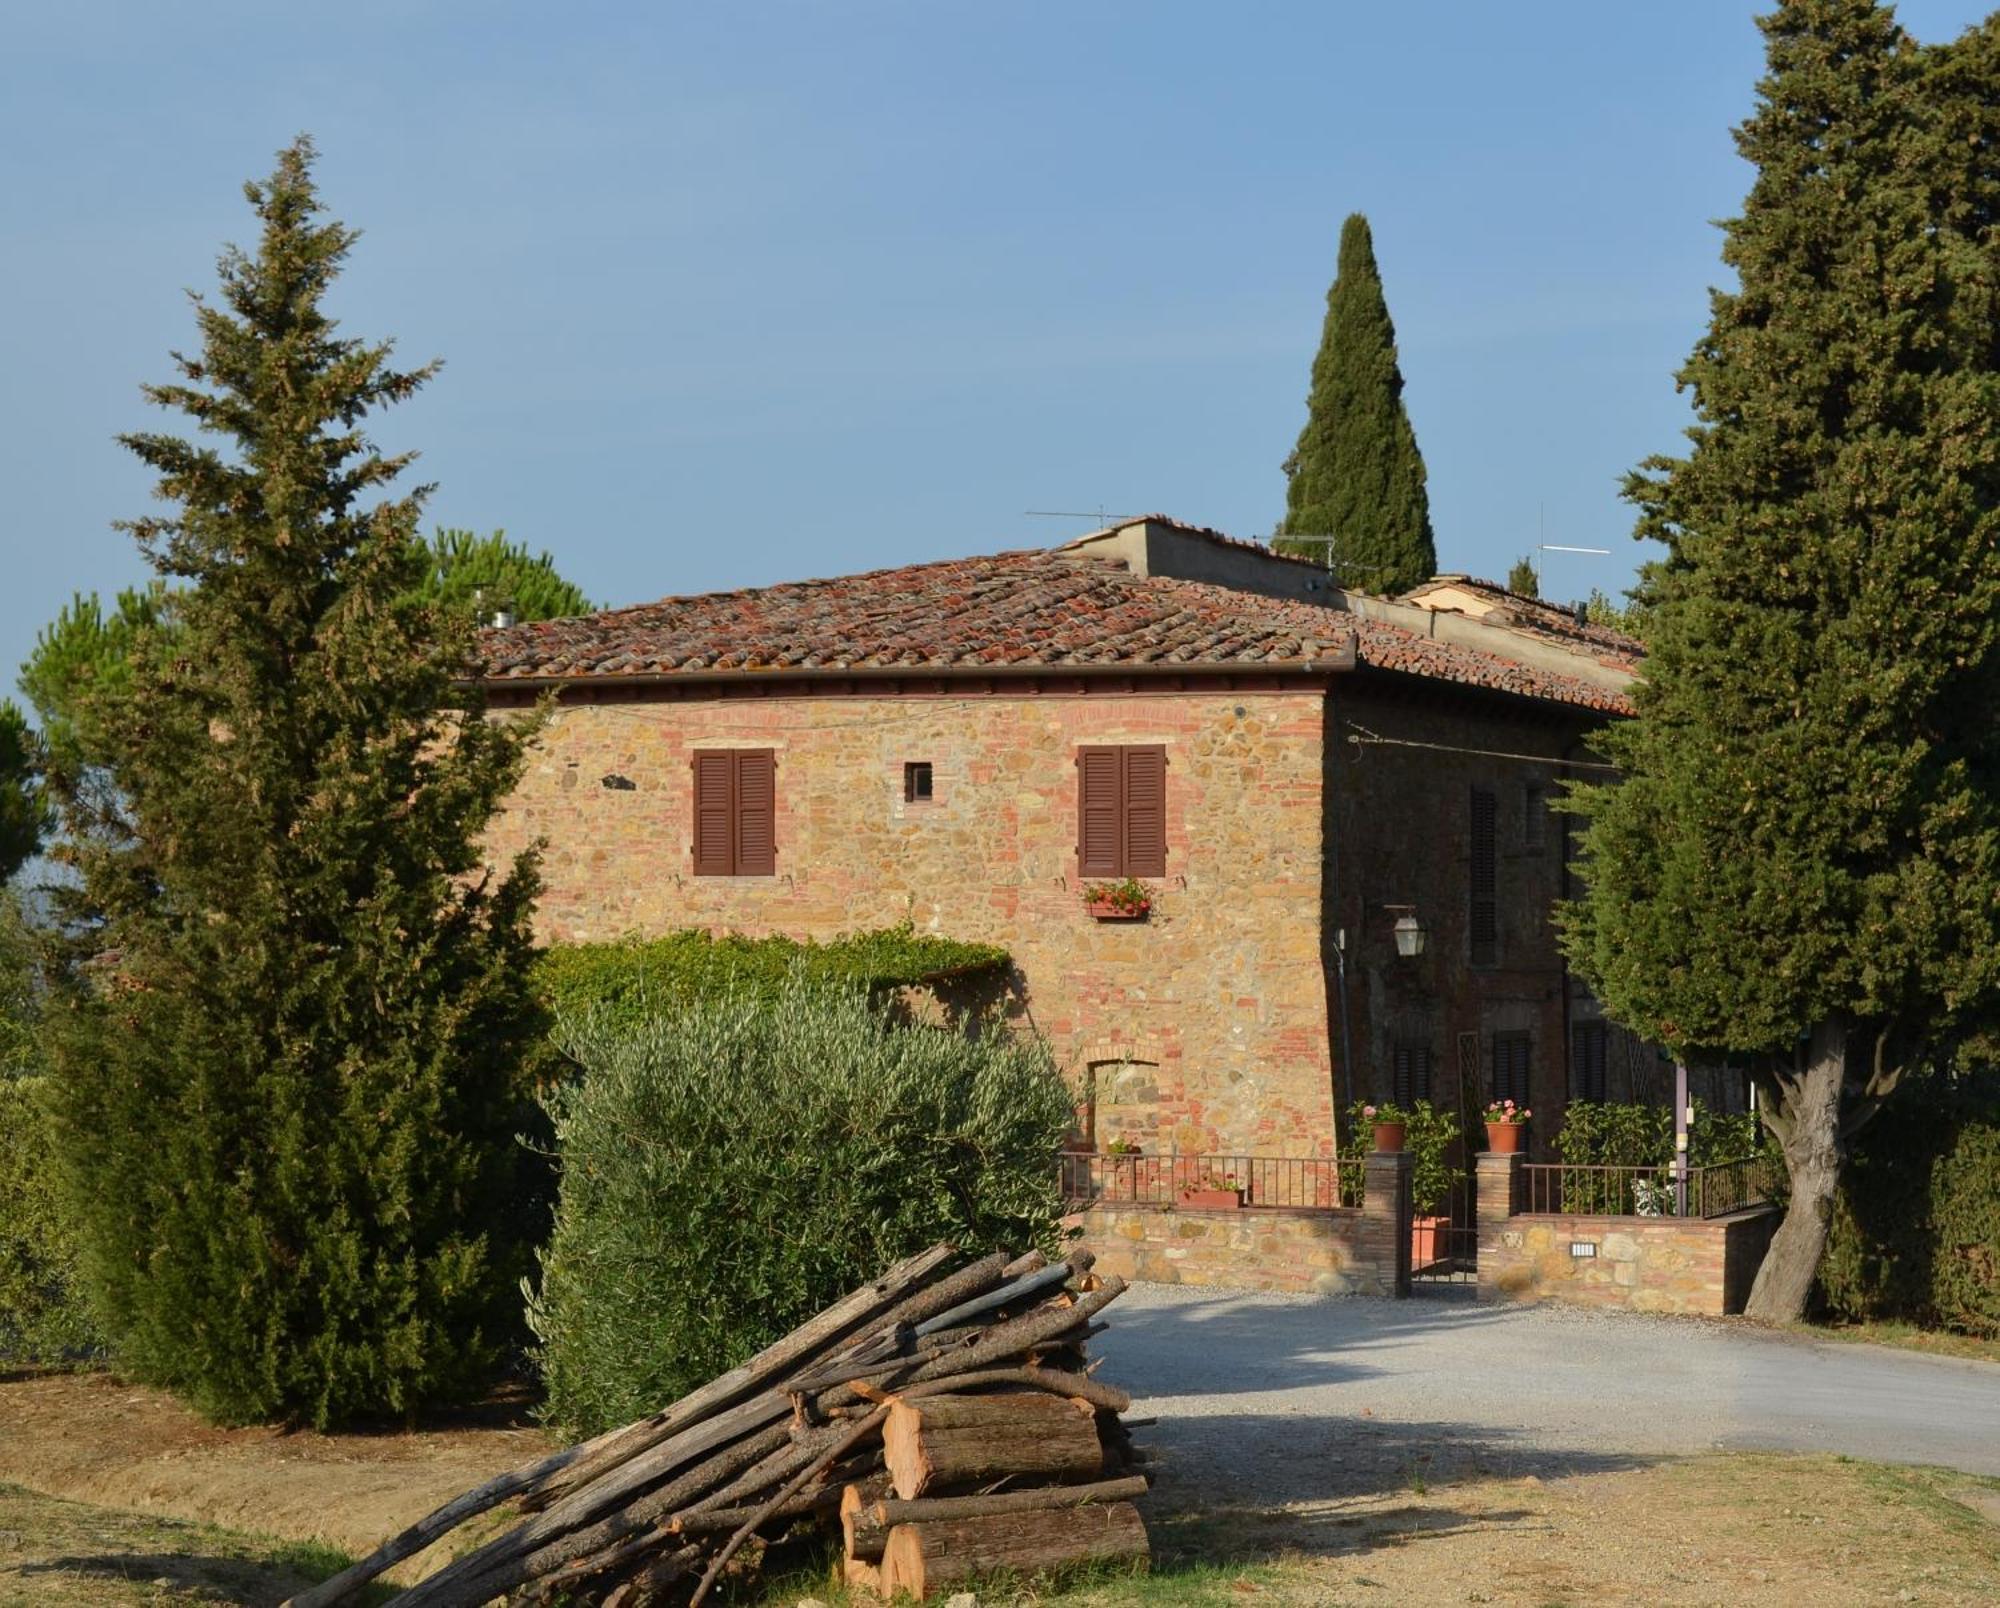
{"points": [[1592, 1191], [1102, 1178]]}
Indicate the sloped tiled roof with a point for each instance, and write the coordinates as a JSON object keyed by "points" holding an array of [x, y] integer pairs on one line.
{"points": [[1019, 610], [1545, 619]]}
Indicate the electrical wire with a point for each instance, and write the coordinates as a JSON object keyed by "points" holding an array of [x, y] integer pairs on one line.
{"points": [[1377, 740]]}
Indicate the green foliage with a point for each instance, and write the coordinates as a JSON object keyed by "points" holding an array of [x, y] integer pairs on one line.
{"points": [[626, 983], [466, 569], [1807, 823], [24, 812], [1429, 1138], [1629, 616], [1615, 1134], [294, 1002], [44, 1317], [82, 665], [1356, 475], [1916, 1229], [1428, 1135], [1523, 578], [731, 1163]]}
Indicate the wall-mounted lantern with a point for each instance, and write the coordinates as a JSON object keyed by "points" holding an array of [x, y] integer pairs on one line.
{"points": [[1410, 934]]}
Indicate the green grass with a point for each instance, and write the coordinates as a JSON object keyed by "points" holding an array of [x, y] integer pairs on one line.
{"points": [[1908, 1337], [52, 1550]]}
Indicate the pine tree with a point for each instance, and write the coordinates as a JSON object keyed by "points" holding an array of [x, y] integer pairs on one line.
{"points": [[288, 1056], [466, 568], [1802, 865], [1522, 578], [1357, 479], [24, 810]]}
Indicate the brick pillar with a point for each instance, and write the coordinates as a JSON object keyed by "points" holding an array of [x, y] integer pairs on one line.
{"points": [[1499, 1192], [1382, 1260]]}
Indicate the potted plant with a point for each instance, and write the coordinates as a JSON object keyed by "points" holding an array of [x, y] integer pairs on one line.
{"points": [[1391, 1125], [1504, 1122], [1431, 1134], [1130, 900], [1213, 1192]]}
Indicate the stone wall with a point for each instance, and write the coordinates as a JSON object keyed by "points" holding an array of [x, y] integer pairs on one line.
{"points": [[1643, 1264], [1202, 1029], [1257, 1248]]}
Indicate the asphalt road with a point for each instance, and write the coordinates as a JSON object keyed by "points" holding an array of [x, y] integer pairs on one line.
{"points": [[1307, 1398]]}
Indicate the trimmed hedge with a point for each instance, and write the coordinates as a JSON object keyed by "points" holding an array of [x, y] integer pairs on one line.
{"points": [[1916, 1226], [43, 1318], [623, 983], [733, 1163]]}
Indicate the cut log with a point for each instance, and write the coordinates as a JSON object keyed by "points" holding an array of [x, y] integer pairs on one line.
{"points": [[865, 1526], [941, 1554], [944, 1443]]}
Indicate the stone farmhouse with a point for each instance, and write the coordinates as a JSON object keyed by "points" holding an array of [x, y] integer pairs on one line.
{"points": [[1312, 783]]}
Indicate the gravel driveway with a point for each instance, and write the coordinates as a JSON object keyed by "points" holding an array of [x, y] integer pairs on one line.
{"points": [[1301, 1398]]}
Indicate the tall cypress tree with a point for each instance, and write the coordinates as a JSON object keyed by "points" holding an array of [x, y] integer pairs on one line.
{"points": [[1357, 479], [288, 1062], [1802, 866]]}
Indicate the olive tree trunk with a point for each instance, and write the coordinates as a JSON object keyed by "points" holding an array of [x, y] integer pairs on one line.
{"points": [[1804, 1113]]}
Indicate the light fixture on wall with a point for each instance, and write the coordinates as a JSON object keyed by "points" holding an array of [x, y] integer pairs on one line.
{"points": [[1409, 932]]}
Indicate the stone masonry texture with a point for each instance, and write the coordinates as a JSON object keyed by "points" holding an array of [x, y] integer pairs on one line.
{"points": [[1203, 1029]]}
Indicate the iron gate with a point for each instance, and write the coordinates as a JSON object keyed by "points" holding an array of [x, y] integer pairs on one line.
{"points": [[1444, 1249]]}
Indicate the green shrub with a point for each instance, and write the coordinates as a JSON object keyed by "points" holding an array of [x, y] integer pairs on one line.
{"points": [[623, 983], [43, 1317], [731, 1164], [1916, 1226], [1428, 1135]]}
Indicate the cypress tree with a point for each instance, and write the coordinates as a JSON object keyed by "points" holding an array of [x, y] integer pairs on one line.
{"points": [[288, 1050], [1523, 579], [1356, 476], [1802, 865]]}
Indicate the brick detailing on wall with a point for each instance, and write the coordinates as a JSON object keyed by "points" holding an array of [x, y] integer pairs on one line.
{"points": [[1221, 994], [1643, 1264], [1383, 1246], [1258, 1248]]}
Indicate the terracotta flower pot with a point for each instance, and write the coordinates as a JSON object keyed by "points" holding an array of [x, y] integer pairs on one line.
{"points": [[1212, 1200], [1427, 1239], [1105, 910], [1389, 1137], [1504, 1138]]}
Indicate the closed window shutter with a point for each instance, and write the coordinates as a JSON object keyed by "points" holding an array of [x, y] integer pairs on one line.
{"points": [[714, 814], [756, 813], [1411, 1074], [1145, 812], [1100, 836], [1483, 927], [1510, 1067]]}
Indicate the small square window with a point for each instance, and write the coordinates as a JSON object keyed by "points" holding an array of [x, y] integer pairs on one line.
{"points": [[917, 782]]}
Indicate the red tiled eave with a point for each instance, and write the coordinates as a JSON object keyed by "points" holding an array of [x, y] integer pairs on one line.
{"points": [[1019, 612]]}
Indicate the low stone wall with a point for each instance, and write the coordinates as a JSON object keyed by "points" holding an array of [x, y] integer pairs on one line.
{"points": [[1256, 1248], [1644, 1264]]}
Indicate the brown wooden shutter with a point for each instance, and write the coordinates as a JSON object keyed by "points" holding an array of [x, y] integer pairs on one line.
{"points": [[1145, 812], [1589, 1060], [1483, 927], [756, 813], [1512, 1076], [1100, 811], [1410, 1074], [714, 814]]}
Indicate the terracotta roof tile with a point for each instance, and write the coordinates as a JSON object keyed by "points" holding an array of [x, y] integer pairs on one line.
{"points": [[1010, 610]]}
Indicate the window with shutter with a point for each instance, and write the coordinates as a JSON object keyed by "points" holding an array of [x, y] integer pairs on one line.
{"points": [[1511, 1067], [735, 813], [1483, 914], [1589, 1060], [1121, 812], [1410, 1074]]}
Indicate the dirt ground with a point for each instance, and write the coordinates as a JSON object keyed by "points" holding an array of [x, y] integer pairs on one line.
{"points": [[1746, 1530], [91, 1439]]}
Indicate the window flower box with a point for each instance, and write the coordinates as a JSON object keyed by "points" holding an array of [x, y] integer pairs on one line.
{"points": [[1130, 900]]}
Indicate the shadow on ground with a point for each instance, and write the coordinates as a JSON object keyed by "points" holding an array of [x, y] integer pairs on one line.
{"points": [[206, 1579]]}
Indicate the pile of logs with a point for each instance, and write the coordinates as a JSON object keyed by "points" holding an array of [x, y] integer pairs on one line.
{"points": [[944, 1418]]}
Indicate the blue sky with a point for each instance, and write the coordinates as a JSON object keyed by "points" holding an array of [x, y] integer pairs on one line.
{"points": [[733, 293]]}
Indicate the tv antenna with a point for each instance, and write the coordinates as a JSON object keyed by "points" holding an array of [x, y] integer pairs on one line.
{"points": [[1344, 565], [1100, 516], [1544, 545]]}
